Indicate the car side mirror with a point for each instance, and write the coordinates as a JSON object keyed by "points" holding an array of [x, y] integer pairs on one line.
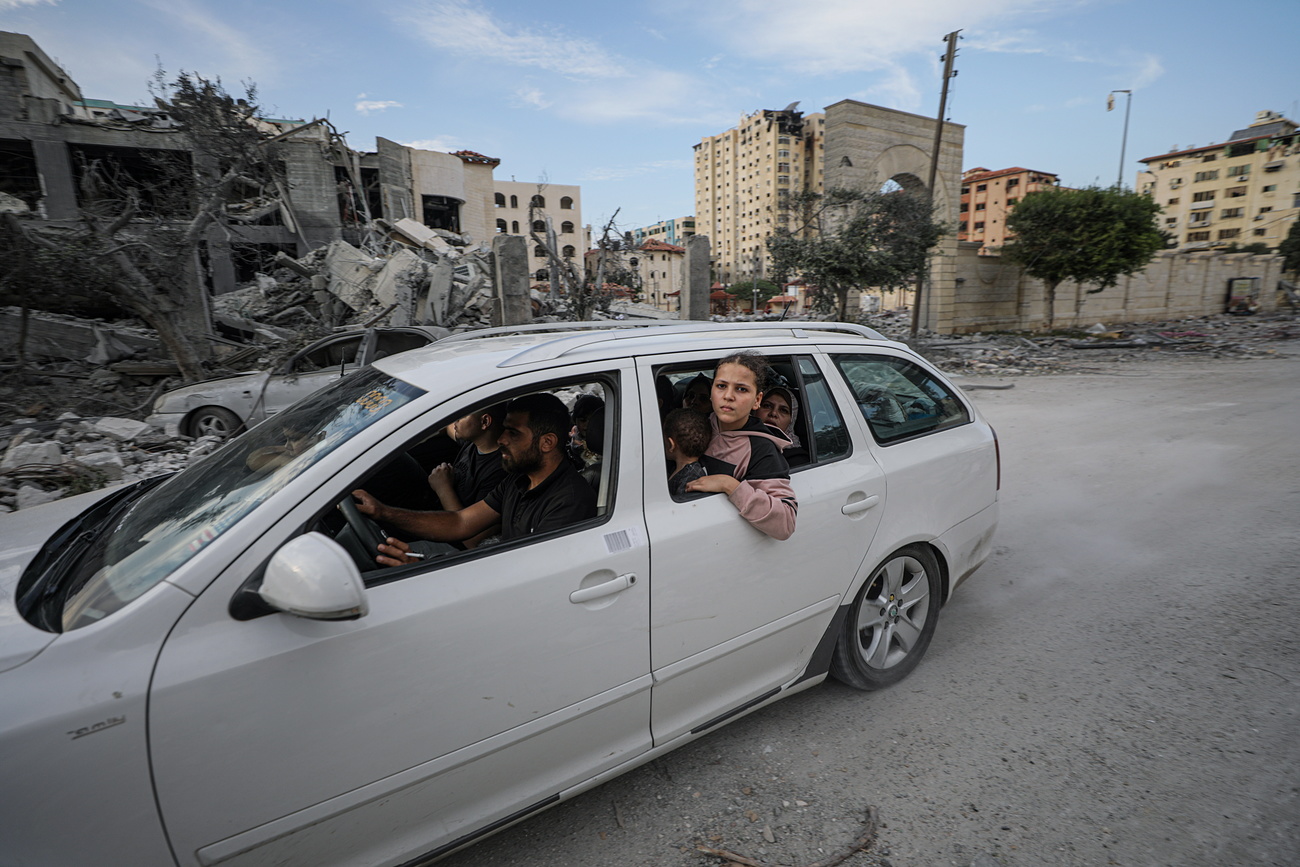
{"points": [[313, 577]]}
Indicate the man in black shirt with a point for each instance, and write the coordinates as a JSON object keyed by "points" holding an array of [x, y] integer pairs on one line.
{"points": [[477, 470], [543, 491]]}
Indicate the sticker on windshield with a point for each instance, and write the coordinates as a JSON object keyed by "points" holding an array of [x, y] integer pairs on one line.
{"points": [[374, 401], [623, 540]]}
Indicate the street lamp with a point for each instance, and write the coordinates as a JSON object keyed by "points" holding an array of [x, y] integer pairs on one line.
{"points": [[1110, 104]]}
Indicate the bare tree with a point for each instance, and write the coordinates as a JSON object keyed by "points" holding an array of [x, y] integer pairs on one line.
{"points": [[144, 227]]}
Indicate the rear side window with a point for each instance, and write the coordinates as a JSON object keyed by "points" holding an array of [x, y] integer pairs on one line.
{"points": [[393, 342], [899, 399]]}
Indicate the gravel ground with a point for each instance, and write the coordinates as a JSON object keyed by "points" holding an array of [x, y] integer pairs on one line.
{"points": [[1117, 685]]}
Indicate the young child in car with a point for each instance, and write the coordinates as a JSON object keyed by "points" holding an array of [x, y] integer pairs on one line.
{"points": [[686, 436], [744, 457]]}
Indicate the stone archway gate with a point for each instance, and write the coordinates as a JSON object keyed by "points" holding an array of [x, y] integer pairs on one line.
{"points": [[867, 146]]}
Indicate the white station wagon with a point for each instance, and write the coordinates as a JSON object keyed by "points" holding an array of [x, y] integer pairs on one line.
{"points": [[212, 669]]}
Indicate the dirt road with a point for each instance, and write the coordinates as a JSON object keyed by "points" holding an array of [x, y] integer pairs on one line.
{"points": [[1120, 683]]}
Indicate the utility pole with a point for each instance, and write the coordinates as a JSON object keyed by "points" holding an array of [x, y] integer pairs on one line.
{"points": [[1123, 146], [757, 259], [949, 56]]}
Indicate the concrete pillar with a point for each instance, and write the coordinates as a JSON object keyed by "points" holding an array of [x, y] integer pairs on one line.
{"points": [[221, 268], [55, 168], [514, 305], [695, 294]]}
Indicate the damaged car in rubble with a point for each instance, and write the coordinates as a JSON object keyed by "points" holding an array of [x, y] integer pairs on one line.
{"points": [[226, 406]]}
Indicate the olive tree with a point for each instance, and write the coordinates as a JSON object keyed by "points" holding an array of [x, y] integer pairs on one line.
{"points": [[851, 239], [1092, 235]]}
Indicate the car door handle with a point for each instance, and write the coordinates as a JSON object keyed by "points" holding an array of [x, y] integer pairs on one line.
{"points": [[605, 588], [860, 505]]}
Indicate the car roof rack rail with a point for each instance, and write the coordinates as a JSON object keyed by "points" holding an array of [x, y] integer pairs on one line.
{"points": [[561, 346], [555, 327]]}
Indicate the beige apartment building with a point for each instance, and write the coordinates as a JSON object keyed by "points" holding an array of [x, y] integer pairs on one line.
{"points": [[744, 179], [561, 202], [988, 197], [1244, 190]]}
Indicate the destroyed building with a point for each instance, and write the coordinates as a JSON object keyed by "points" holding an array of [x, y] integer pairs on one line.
{"points": [[49, 132]]}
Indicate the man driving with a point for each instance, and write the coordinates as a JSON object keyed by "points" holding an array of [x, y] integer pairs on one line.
{"points": [[542, 491]]}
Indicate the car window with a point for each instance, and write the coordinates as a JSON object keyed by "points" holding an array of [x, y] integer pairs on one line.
{"points": [[817, 430], [337, 354], [830, 438], [393, 342], [899, 399], [402, 479]]}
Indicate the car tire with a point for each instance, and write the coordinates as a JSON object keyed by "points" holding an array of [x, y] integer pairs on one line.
{"points": [[215, 421], [891, 622]]}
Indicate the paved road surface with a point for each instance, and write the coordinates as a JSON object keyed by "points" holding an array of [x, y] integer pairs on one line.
{"points": [[1120, 683]]}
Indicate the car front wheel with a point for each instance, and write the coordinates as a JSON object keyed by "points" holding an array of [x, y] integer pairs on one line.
{"points": [[891, 622], [213, 421]]}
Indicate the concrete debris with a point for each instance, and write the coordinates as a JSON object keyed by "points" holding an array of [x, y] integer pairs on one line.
{"points": [[1001, 354], [411, 275], [45, 461], [57, 336], [10, 204]]}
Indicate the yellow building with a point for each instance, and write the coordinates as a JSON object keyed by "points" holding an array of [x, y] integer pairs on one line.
{"points": [[744, 178], [1245, 190]]}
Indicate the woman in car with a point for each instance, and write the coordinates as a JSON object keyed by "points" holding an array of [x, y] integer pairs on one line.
{"points": [[744, 457], [780, 409]]}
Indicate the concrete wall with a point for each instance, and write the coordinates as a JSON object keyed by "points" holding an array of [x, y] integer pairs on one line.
{"points": [[992, 295]]}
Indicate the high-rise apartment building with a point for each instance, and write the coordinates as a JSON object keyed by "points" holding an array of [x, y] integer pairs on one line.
{"points": [[1245, 190], [561, 202], [988, 197], [744, 179]]}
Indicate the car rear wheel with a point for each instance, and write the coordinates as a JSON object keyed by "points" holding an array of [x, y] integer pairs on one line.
{"points": [[213, 421], [891, 622]]}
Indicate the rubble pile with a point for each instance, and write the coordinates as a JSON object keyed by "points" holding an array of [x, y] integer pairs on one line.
{"points": [[404, 274], [1005, 354], [45, 461]]}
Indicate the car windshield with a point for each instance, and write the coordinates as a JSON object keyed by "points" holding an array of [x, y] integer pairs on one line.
{"points": [[174, 521]]}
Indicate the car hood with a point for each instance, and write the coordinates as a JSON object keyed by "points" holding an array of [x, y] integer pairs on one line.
{"points": [[24, 533]]}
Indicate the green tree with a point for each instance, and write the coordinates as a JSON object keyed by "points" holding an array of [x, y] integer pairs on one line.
{"points": [[1290, 248], [847, 239], [1092, 235], [766, 289]]}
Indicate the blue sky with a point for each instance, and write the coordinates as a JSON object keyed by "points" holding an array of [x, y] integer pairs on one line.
{"points": [[612, 96]]}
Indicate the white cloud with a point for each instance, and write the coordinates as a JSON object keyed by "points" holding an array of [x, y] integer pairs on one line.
{"points": [[446, 144], [1149, 69], [463, 27], [1010, 42], [365, 106], [15, 4], [532, 97], [839, 36], [243, 53], [661, 97], [620, 173]]}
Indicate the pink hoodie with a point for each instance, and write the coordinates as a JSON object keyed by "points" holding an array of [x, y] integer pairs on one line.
{"points": [[753, 455]]}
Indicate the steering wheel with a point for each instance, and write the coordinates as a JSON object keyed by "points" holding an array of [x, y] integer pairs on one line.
{"points": [[368, 533]]}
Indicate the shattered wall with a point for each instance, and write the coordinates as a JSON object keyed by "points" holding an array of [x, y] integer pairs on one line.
{"points": [[993, 295]]}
